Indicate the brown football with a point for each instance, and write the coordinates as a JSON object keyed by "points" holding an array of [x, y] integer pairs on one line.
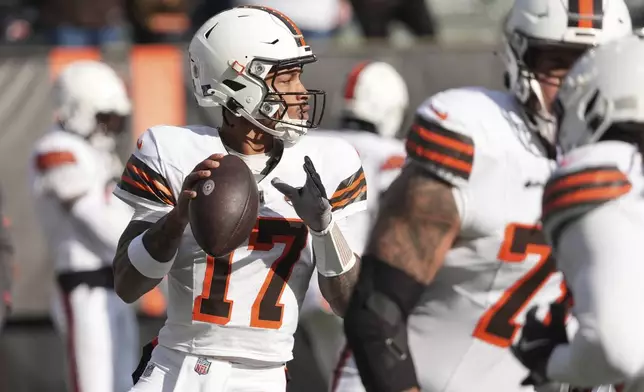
{"points": [[225, 210]]}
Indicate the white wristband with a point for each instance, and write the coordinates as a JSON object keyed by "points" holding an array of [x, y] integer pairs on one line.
{"points": [[333, 256], [144, 262]]}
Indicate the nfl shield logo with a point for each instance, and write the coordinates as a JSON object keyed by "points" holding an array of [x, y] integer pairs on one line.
{"points": [[203, 366]]}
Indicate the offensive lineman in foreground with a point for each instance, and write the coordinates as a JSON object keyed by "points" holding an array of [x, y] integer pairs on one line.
{"points": [[593, 215], [375, 103], [231, 320], [74, 167], [455, 256]]}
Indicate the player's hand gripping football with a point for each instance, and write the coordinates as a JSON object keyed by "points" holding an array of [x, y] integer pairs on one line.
{"points": [[537, 342], [201, 171], [310, 201]]}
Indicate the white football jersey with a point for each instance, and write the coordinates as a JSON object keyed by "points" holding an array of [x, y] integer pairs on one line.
{"points": [[245, 305], [382, 159], [593, 214], [64, 166], [499, 266]]}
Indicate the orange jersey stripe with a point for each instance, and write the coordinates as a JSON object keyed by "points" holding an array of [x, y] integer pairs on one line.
{"points": [[348, 200], [394, 162], [352, 186], [587, 195], [440, 159], [584, 178], [444, 141], [50, 160]]}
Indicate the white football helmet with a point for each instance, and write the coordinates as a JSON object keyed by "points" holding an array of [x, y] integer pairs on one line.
{"points": [[535, 24], [230, 57], [604, 88], [375, 94], [85, 89]]}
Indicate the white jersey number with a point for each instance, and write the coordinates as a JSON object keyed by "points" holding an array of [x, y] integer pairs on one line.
{"points": [[213, 306]]}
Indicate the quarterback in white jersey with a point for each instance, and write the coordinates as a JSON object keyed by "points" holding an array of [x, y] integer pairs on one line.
{"points": [[74, 170], [593, 215], [231, 319], [375, 103], [456, 255]]}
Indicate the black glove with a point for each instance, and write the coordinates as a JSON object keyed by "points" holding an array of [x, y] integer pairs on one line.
{"points": [[538, 341]]}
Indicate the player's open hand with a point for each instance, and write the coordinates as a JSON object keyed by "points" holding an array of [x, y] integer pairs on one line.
{"points": [[310, 201], [537, 342], [201, 171]]}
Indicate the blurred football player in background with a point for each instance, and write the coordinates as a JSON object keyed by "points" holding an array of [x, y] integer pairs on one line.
{"points": [[74, 170], [455, 256], [593, 215], [375, 104], [6, 259], [231, 319]]}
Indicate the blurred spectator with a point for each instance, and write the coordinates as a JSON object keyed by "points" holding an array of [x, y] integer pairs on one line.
{"points": [[17, 18], [156, 21], [206, 9], [375, 16], [84, 22], [6, 255], [316, 18]]}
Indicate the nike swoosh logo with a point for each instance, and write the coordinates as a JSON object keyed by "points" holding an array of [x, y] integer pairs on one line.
{"points": [[533, 184], [527, 346], [439, 114]]}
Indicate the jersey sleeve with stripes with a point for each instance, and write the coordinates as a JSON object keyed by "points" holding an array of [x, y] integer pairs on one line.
{"points": [[63, 171], [587, 179], [440, 141], [350, 184], [144, 180]]}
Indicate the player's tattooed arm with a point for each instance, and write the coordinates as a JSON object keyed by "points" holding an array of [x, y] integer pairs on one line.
{"points": [[161, 240], [417, 224], [337, 290]]}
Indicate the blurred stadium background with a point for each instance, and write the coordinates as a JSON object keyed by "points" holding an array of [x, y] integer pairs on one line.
{"points": [[148, 51]]}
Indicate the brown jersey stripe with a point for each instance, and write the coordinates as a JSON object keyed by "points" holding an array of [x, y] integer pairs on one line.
{"points": [[596, 175], [450, 164], [432, 143], [348, 183], [457, 141], [591, 195], [140, 180], [357, 193], [351, 190], [284, 19]]}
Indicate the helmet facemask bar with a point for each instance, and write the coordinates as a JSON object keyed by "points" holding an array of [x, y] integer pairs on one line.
{"points": [[528, 80], [274, 106]]}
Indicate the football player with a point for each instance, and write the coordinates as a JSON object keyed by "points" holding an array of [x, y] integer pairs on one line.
{"points": [[375, 106], [6, 255], [456, 255], [74, 167], [231, 319], [593, 215]]}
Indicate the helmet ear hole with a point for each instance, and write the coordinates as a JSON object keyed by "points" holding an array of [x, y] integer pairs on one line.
{"points": [[506, 80]]}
